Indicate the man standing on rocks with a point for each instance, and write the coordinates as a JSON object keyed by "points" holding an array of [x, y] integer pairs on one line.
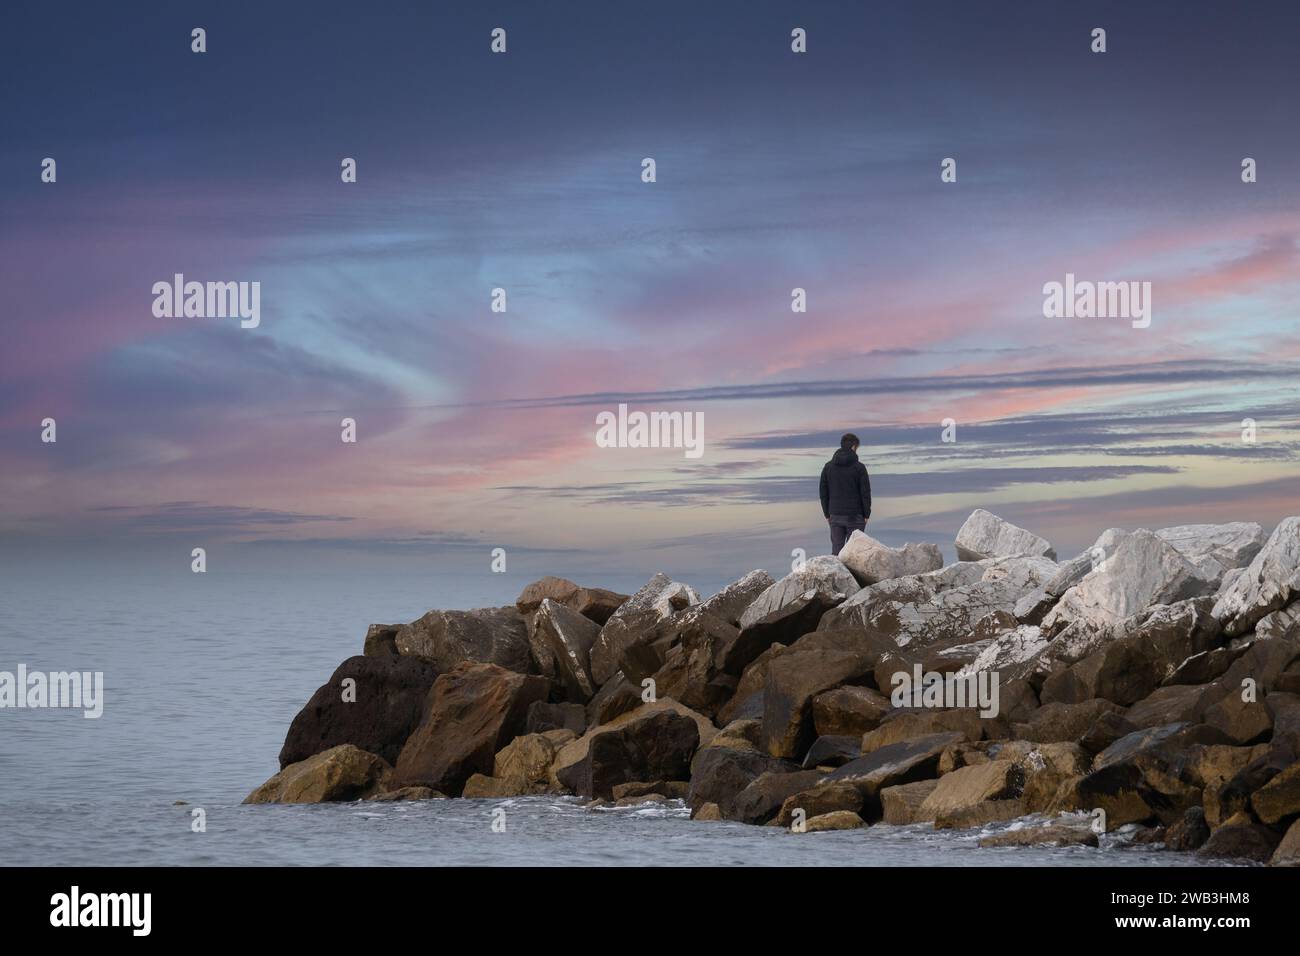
{"points": [[846, 492]]}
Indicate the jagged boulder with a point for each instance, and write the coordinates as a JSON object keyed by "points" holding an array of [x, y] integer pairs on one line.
{"points": [[648, 743], [493, 635], [562, 639], [890, 766], [1270, 581], [1138, 656], [985, 535], [731, 602], [657, 745], [870, 561], [943, 607], [1142, 571], [341, 773], [825, 575], [1215, 549], [635, 621], [381, 640], [371, 702], [473, 711]]}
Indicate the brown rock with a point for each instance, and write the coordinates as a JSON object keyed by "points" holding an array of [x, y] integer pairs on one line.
{"points": [[970, 786], [1053, 835], [381, 640], [707, 811], [597, 604], [819, 799], [1279, 799], [341, 773], [373, 703], [980, 814], [852, 711], [919, 723], [1241, 841], [473, 711], [493, 635], [1288, 851], [901, 805], [835, 820]]}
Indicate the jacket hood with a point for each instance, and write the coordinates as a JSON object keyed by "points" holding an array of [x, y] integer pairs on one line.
{"points": [[844, 457]]}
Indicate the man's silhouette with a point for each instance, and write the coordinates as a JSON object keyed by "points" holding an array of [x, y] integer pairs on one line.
{"points": [[846, 493]]}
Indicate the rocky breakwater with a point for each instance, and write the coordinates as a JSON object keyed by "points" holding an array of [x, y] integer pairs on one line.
{"points": [[1150, 685]]}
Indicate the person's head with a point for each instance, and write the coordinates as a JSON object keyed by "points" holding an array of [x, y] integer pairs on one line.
{"points": [[849, 441]]}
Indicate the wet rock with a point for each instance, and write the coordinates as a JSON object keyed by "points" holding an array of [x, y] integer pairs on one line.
{"points": [[404, 794], [1288, 851], [1189, 833], [835, 820], [341, 773], [980, 814], [971, 786], [901, 805], [762, 798], [668, 789], [819, 799], [1059, 835], [1241, 841], [708, 811], [718, 774]]}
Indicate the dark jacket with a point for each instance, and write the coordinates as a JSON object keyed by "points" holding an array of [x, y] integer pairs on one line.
{"points": [[846, 488]]}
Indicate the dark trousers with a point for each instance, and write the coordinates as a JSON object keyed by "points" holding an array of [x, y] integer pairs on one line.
{"points": [[842, 526]]}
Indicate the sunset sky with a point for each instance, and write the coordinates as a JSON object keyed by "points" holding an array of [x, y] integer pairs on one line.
{"points": [[775, 170]]}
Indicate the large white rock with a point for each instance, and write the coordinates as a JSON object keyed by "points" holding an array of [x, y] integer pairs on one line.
{"points": [[824, 573], [872, 561], [985, 535], [1270, 582], [1217, 548], [922, 609], [1141, 571]]}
